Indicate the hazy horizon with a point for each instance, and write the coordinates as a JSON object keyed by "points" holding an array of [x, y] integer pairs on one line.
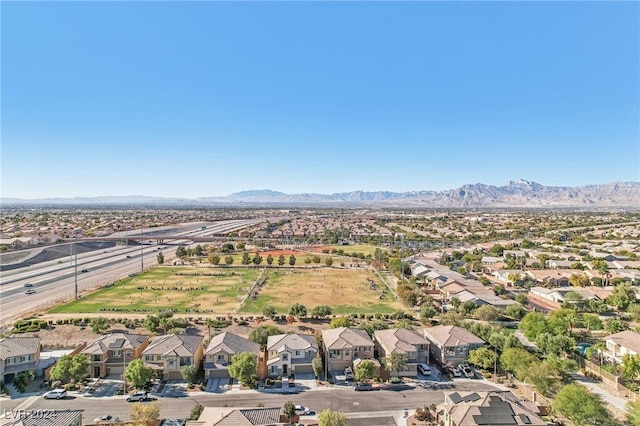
{"points": [[206, 99]]}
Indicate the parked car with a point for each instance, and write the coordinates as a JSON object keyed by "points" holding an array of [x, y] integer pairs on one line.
{"points": [[107, 418], [302, 410], [348, 373], [30, 291], [468, 372], [456, 372], [173, 422], [55, 394], [362, 387], [138, 396], [424, 369]]}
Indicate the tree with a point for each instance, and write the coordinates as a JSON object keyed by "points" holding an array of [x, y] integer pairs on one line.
{"points": [[196, 411], [317, 366], [615, 326], [138, 374], [341, 321], [298, 310], [332, 418], [228, 260], [633, 413], [261, 333], [427, 312], [269, 260], [555, 344], [210, 323], [515, 311], [483, 358], [214, 259], [245, 259], [281, 260], [151, 323], [268, 311], [622, 296], [533, 324], [181, 252], [580, 406], [579, 280], [321, 311], [396, 362], [243, 367], [160, 258], [189, 373], [592, 322], [499, 289], [487, 313], [292, 260], [70, 368], [257, 259], [227, 248], [289, 410], [99, 324], [631, 366], [145, 413], [365, 370], [328, 261], [518, 361]]}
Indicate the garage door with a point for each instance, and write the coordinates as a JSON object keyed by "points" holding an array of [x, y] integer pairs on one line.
{"points": [[304, 369]]}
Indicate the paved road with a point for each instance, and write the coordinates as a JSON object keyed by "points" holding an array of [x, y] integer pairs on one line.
{"points": [[54, 281], [341, 399]]}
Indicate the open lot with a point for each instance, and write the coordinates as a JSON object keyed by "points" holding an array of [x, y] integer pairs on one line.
{"points": [[221, 290], [346, 290], [181, 288]]}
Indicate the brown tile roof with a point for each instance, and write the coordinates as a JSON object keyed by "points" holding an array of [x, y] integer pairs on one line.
{"points": [[451, 335], [19, 346]]}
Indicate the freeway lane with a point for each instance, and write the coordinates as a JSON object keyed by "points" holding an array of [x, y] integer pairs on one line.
{"points": [[55, 283]]}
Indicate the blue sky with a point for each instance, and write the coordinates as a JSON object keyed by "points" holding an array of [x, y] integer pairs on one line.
{"points": [[209, 98]]}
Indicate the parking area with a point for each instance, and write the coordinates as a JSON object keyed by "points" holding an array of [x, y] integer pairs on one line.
{"points": [[339, 379]]}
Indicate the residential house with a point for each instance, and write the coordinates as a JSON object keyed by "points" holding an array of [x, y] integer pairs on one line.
{"points": [[168, 354], [39, 417], [450, 345], [488, 408], [18, 354], [553, 277], [109, 354], [290, 353], [229, 416], [221, 349], [621, 344], [344, 345], [405, 342]]}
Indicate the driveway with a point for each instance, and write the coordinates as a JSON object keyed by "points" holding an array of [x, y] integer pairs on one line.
{"points": [[306, 381], [217, 385], [108, 387], [174, 389]]}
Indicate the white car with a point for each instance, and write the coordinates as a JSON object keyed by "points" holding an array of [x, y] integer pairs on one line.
{"points": [[302, 410], [55, 394], [138, 396]]}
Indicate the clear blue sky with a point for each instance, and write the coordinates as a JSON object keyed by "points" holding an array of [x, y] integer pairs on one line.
{"points": [[209, 98]]}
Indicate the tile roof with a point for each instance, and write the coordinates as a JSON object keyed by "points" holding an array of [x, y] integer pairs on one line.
{"points": [[344, 337], [114, 341], [34, 418], [232, 344], [493, 408], [174, 344], [291, 342], [18, 346], [399, 340], [451, 335], [629, 339]]}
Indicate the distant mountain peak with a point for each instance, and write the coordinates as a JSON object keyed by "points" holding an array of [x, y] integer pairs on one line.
{"points": [[256, 193]]}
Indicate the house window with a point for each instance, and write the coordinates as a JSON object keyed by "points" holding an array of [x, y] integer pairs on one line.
{"points": [[117, 353], [347, 352], [449, 351], [297, 353], [9, 361], [95, 358], [334, 353], [285, 357], [220, 357], [158, 357], [170, 361], [23, 358], [274, 369], [185, 360], [148, 357]]}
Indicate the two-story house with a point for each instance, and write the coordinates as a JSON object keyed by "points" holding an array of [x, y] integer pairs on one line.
{"points": [[290, 353], [221, 349], [406, 342], [450, 344], [168, 354], [621, 344], [344, 345], [18, 354], [110, 353]]}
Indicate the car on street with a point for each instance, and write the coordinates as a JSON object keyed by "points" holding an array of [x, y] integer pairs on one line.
{"points": [[55, 394], [107, 418], [301, 410], [348, 373], [84, 270], [362, 387], [137, 396], [30, 291], [28, 285]]}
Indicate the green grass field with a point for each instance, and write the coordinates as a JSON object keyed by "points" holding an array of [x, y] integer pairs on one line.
{"points": [[221, 290]]}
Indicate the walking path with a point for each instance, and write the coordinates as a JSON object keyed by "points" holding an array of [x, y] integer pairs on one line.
{"points": [[619, 403]]}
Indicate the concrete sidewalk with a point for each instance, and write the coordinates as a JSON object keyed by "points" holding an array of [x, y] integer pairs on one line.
{"points": [[619, 403]]}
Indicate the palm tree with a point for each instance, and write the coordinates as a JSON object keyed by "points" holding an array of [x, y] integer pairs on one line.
{"points": [[210, 323]]}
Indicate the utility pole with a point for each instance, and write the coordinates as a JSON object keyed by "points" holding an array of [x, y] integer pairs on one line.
{"points": [[75, 246], [141, 248]]}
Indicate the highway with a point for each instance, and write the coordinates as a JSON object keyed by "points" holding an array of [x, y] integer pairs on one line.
{"points": [[54, 281]]}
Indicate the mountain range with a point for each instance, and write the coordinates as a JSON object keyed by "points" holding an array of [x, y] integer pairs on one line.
{"points": [[520, 193]]}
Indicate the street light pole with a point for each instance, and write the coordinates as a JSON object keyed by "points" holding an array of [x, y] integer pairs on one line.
{"points": [[75, 246]]}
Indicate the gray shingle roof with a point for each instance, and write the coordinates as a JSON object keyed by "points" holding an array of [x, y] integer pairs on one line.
{"points": [[344, 337], [35, 418], [105, 343], [18, 346], [231, 344], [174, 344], [292, 342], [451, 335]]}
